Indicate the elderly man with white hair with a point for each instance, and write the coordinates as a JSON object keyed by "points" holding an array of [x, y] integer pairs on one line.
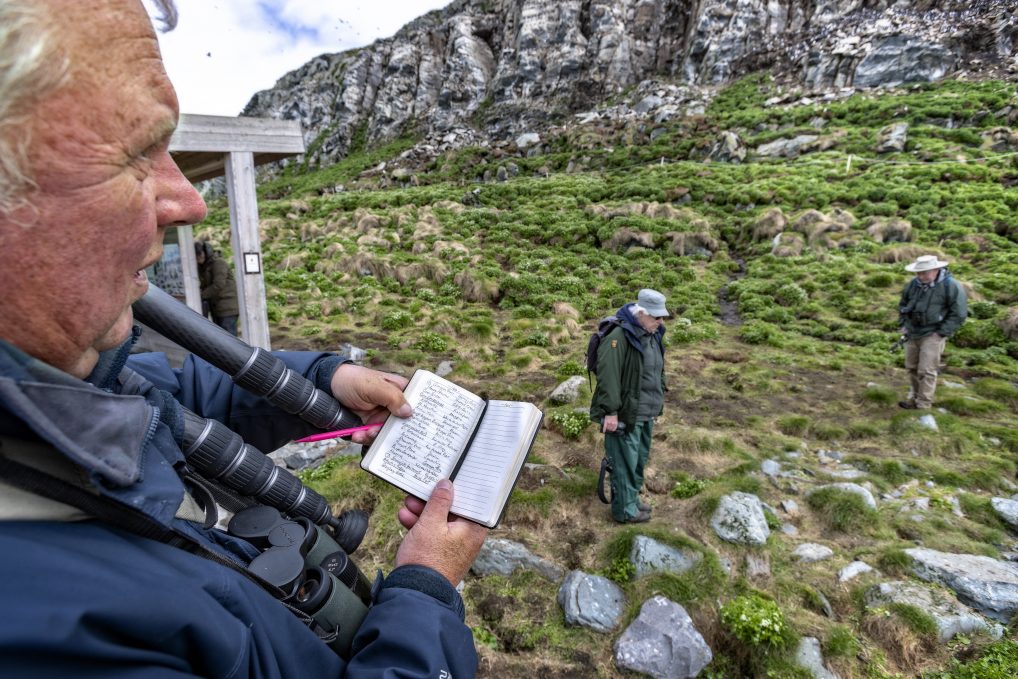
{"points": [[932, 308], [106, 569]]}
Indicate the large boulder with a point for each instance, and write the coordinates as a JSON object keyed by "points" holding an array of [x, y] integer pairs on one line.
{"points": [[740, 519], [649, 556], [988, 585], [499, 556], [591, 601], [662, 642], [892, 138]]}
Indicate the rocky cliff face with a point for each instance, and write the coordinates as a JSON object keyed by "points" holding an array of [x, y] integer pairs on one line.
{"points": [[492, 69]]}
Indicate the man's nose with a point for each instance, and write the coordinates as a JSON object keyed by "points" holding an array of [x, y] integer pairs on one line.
{"points": [[178, 203]]}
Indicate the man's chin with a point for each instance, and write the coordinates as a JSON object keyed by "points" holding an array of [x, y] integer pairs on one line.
{"points": [[118, 332]]}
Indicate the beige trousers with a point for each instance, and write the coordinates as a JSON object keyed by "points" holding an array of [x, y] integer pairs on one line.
{"points": [[922, 361]]}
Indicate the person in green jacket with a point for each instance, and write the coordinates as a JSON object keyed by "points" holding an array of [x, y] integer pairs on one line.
{"points": [[628, 396], [933, 306], [218, 287]]}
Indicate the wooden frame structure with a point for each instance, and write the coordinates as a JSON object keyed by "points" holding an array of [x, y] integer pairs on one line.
{"points": [[206, 147]]}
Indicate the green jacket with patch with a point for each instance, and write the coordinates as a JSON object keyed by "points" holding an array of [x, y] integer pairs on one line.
{"points": [[619, 366]]}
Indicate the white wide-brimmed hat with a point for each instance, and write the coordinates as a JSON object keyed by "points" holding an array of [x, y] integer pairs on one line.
{"points": [[653, 302], [925, 263]]}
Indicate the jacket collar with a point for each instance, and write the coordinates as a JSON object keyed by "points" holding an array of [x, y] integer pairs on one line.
{"points": [[102, 432]]}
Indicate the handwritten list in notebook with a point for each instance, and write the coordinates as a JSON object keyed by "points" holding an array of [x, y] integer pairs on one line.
{"points": [[453, 433]]}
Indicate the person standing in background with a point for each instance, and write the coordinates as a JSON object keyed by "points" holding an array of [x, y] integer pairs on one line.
{"points": [[933, 306], [628, 396], [218, 287]]}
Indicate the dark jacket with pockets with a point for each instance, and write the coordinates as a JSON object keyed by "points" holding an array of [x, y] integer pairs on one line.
{"points": [[84, 599], [941, 308]]}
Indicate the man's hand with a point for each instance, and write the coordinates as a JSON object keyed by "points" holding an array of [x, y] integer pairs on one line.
{"points": [[371, 394], [611, 423], [437, 539]]}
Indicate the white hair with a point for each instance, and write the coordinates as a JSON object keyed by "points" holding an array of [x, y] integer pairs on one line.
{"points": [[31, 66], [637, 309]]}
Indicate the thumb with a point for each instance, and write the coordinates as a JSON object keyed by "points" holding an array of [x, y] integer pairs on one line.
{"points": [[438, 505], [390, 396]]}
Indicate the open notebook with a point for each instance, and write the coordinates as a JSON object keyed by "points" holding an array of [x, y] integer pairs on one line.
{"points": [[481, 445]]}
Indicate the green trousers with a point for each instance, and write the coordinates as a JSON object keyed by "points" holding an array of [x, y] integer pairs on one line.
{"points": [[628, 454]]}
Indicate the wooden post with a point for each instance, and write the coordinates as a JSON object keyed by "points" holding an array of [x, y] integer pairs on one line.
{"points": [[247, 251], [185, 241]]}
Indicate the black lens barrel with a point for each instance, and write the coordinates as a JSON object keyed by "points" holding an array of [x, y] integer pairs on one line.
{"points": [[217, 452], [253, 368]]}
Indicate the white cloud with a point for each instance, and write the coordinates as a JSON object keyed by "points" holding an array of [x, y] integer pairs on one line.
{"points": [[224, 51]]}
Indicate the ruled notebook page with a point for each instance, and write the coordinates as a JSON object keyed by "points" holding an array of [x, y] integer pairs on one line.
{"points": [[479, 486], [416, 452]]}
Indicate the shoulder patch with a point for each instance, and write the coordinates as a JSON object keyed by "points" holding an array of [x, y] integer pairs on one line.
{"points": [[615, 344]]}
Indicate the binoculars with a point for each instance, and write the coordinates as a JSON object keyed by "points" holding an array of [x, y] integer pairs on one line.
{"points": [[310, 567]]}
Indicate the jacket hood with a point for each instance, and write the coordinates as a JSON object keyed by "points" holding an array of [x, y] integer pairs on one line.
{"points": [[627, 319]]}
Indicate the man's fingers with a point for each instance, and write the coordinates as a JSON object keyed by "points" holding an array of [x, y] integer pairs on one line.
{"points": [[439, 504]]}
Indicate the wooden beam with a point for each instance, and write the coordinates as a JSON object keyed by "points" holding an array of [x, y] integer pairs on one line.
{"points": [[224, 134]]}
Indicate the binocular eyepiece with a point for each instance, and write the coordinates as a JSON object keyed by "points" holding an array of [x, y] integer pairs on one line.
{"points": [[311, 568]]}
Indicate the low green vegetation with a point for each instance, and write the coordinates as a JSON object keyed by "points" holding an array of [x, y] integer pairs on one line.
{"points": [[783, 277]]}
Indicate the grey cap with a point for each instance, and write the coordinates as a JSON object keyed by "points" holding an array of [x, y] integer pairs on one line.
{"points": [[653, 301]]}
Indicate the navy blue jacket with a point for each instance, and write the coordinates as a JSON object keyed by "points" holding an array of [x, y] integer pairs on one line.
{"points": [[84, 599]]}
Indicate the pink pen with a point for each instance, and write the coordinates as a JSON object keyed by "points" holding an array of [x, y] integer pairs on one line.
{"points": [[336, 434]]}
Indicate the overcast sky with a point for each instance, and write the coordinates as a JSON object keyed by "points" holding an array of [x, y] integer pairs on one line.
{"points": [[223, 51]]}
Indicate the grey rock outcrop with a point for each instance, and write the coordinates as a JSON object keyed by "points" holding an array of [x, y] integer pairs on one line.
{"points": [[809, 552], [988, 585], [649, 556], [809, 657], [892, 138], [950, 616], [591, 601], [854, 570], [568, 391], [662, 642], [739, 518], [502, 557], [1007, 510], [481, 71]]}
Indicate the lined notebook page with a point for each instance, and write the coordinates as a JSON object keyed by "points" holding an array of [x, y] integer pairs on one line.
{"points": [[424, 448], [479, 484]]}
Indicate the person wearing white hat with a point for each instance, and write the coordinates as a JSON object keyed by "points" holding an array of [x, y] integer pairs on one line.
{"points": [[933, 306], [628, 397]]}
